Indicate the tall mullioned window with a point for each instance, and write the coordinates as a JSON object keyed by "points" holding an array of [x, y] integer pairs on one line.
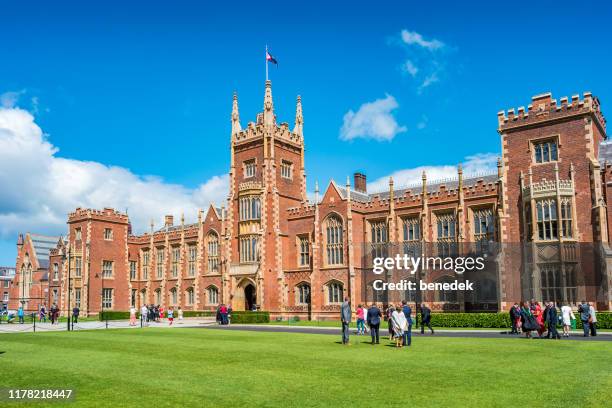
{"points": [[249, 168], [566, 217], [107, 298], [190, 296], [145, 264], [107, 269], [176, 258], [303, 294], [212, 295], [78, 263], [249, 248], [286, 169], [447, 233], [173, 296], [132, 270], [160, 263], [108, 234], [380, 238], [250, 208], [547, 222], [545, 151], [213, 252], [411, 234], [335, 241], [484, 228], [304, 244], [193, 256], [334, 292]]}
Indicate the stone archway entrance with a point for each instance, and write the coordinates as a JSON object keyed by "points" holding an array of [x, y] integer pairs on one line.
{"points": [[250, 297], [245, 295]]}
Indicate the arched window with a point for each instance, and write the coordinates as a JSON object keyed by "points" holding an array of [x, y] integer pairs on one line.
{"points": [[380, 237], [212, 295], [302, 294], [335, 291], [158, 297], [213, 252], [189, 296], [335, 241], [445, 295], [566, 217], [173, 296]]}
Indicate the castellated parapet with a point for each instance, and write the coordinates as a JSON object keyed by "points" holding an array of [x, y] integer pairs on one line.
{"points": [[544, 108], [107, 214]]}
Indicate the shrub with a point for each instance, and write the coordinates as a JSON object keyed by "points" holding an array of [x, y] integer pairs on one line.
{"points": [[113, 315], [250, 317]]}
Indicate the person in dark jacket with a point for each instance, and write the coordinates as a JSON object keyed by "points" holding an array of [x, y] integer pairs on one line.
{"points": [[585, 314], [551, 318], [515, 316], [345, 316], [425, 318], [374, 316], [75, 314], [407, 310]]}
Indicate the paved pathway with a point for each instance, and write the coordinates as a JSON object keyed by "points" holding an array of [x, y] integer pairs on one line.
{"points": [[94, 325], [489, 333]]}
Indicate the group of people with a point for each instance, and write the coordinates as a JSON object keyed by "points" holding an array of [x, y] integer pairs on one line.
{"points": [[155, 313], [399, 320], [224, 314], [52, 313], [531, 317]]}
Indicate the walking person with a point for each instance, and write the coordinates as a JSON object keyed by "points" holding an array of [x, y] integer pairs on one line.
{"points": [[551, 319], [567, 315], [538, 314], [345, 317], [593, 319], [407, 310], [180, 313], [360, 320], [373, 317], [170, 316], [585, 317], [42, 314], [425, 318], [20, 314], [132, 316], [400, 325], [223, 311], [229, 314], [75, 314]]}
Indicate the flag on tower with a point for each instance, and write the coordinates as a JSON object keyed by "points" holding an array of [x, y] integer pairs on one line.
{"points": [[270, 58]]}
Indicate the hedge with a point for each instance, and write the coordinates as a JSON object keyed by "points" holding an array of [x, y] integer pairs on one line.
{"points": [[112, 315], [250, 317], [497, 320]]}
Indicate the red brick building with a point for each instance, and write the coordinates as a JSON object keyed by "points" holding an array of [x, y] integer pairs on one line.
{"points": [[542, 216]]}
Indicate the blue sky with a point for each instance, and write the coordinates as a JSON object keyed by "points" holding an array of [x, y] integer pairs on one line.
{"points": [[141, 92]]}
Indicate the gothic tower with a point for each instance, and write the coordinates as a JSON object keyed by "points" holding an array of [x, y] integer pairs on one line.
{"points": [[266, 178]]}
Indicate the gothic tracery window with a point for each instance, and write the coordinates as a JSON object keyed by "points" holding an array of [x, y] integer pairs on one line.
{"points": [[335, 241]]}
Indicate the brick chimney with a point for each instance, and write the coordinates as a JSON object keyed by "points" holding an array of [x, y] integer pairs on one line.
{"points": [[359, 182], [169, 221]]}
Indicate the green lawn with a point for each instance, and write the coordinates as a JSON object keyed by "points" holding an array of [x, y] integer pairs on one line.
{"points": [[199, 367]]}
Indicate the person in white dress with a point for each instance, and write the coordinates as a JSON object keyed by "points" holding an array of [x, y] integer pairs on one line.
{"points": [[593, 319], [567, 315]]}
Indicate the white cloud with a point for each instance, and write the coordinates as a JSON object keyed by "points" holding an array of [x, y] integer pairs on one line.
{"points": [[410, 68], [472, 165], [430, 79], [414, 38], [39, 188], [373, 120], [9, 99]]}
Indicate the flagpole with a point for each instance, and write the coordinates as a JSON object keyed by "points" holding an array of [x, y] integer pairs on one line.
{"points": [[266, 62]]}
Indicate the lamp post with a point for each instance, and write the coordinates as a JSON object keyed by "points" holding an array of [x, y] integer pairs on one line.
{"points": [[68, 305]]}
